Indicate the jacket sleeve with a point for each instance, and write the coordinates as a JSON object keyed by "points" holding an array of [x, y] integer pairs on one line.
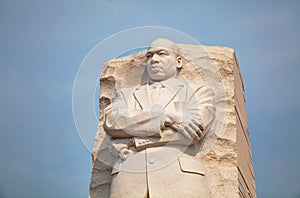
{"points": [[200, 106], [121, 122], [197, 110]]}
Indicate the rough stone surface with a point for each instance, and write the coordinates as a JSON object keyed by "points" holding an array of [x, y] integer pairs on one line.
{"points": [[226, 152]]}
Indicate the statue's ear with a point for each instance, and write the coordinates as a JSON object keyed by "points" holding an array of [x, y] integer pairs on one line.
{"points": [[179, 62]]}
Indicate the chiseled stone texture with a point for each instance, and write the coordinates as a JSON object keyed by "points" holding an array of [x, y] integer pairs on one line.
{"points": [[225, 152]]}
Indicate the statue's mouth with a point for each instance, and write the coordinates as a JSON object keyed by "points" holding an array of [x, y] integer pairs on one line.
{"points": [[156, 66], [156, 69]]}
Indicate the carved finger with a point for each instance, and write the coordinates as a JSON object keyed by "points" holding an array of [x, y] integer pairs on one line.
{"points": [[197, 123], [191, 132], [185, 133], [196, 129]]}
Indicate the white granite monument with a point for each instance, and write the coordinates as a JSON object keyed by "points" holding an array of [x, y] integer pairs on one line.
{"points": [[172, 124]]}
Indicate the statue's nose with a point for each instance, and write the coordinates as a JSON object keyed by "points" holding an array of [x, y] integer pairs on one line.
{"points": [[153, 62], [154, 59]]}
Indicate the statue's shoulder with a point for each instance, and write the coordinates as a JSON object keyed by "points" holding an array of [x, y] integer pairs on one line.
{"points": [[128, 91]]}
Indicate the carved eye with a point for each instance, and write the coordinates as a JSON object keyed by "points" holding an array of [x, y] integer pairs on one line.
{"points": [[163, 53], [149, 54]]}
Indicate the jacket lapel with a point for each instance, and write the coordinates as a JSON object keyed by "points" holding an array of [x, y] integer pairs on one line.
{"points": [[142, 97], [175, 86]]}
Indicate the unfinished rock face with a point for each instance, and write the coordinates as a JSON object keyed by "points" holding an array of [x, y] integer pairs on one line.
{"points": [[225, 151]]}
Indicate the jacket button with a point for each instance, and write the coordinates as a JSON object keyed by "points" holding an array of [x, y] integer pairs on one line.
{"points": [[151, 160]]}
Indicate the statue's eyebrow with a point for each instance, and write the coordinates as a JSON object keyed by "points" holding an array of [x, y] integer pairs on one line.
{"points": [[162, 50], [150, 53]]}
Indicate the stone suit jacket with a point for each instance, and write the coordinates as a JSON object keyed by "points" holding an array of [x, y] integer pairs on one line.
{"points": [[132, 114], [132, 117]]}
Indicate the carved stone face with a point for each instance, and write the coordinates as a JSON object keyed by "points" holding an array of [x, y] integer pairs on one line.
{"points": [[162, 61]]}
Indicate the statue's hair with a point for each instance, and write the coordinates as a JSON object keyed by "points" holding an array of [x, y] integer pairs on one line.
{"points": [[175, 48]]}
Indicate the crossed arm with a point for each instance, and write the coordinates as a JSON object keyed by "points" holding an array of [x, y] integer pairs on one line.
{"points": [[190, 123]]}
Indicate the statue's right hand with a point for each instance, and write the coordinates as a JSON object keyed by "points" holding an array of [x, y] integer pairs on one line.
{"points": [[121, 150]]}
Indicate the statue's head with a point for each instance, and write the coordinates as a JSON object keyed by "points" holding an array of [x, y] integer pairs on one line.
{"points": [[163, 60]]}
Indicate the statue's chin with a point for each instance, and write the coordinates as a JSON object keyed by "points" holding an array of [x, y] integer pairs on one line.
{"points": [[159, 77]]}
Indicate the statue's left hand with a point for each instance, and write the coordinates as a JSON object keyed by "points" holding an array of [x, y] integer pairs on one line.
{"points": [[185, 125]]}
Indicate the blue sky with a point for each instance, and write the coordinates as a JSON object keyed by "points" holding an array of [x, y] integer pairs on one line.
{"points": [[44, 42]]}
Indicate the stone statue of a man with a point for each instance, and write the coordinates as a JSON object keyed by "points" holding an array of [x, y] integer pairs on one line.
{"points": [[154, 129]]}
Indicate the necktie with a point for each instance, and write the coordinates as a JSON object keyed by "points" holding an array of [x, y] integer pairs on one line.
{"points": [[155, 91]]}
